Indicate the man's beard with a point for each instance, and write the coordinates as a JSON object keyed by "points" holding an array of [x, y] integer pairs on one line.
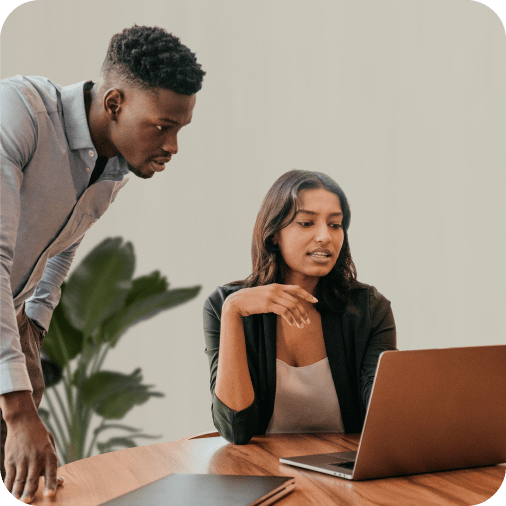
{"points": [[137, 172]]}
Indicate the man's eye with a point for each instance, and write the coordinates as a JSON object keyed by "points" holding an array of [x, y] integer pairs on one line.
{"points": [[162, 128]]}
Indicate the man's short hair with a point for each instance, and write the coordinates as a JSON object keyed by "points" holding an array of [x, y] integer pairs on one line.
{"points": [[150, 57]]}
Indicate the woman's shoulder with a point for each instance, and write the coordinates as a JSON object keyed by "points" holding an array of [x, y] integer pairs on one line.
{"points": [[217, 298], [363, 294]]}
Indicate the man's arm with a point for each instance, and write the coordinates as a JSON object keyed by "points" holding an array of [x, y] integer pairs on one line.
{"points": [[29, 452], [40, 306], [19, 139]]}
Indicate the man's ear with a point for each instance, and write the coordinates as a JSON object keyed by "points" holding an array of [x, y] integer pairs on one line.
{"points": [[113, 102]]}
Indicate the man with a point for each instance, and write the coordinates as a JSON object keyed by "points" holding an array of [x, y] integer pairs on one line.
{"points": [[65, 153]]}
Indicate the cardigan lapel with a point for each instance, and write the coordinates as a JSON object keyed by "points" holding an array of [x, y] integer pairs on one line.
{"points": [[267, 366], [270, 324], [336, 353]]}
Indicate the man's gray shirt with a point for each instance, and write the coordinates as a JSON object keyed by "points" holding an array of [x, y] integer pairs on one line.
{"points": [[47, 157]]}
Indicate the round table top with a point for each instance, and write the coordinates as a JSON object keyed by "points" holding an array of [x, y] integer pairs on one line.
{"points": [[92, 481]]}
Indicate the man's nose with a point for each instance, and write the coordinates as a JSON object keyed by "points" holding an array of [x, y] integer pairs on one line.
{"points": [[170, 144]]}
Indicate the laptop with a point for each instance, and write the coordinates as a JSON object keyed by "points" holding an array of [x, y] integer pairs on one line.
{"points": [[429, 410], [209, 490]]}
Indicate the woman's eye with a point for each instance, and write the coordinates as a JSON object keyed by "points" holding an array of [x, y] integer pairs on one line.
{"points": [[336, 225], [305, 223], [162, 128]]}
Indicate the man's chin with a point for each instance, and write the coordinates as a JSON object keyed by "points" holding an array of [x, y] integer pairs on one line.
{"points": [[139, 173]]}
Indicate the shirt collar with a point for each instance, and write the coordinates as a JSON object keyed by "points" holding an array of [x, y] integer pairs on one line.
{"points": [[74, 114]]}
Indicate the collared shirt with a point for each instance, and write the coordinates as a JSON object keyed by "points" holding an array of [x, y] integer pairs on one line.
{"points": [[47, 158]]}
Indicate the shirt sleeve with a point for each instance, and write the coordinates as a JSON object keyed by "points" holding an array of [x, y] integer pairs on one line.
{"points": [[40, 306], [238, 427], [18, 142], [382, 338]]}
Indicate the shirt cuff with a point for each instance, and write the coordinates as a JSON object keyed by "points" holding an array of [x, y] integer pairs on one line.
{"points": [[39, 313], [14, 377]]}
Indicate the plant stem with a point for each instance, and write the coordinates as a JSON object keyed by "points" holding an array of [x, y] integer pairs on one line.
{"points": [[95, 435], [62, 406], [99, 363], [57, 421], [83, 415], [59, 447], [68, 387]]}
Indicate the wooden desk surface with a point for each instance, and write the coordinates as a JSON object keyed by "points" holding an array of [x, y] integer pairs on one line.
{"points": [[91, 481]]}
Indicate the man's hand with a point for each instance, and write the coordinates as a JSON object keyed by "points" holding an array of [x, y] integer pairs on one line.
{"points": [[29, 449]]}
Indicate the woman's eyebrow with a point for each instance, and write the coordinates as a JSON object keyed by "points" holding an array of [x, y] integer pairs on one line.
{"points": [[313, 213]]}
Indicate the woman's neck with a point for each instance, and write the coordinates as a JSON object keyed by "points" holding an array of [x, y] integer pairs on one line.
{"points": [[308, 283]]}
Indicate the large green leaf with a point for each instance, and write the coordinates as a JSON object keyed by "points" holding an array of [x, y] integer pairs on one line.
{"points": [[144, 286], [99, 286], [112, 394], [147, 298], [62, 342]]}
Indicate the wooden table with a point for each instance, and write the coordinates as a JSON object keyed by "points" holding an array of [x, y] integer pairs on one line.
{"points": [[91, 481]]}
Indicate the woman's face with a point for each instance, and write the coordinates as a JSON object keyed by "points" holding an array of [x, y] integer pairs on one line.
{"points": [[311, 243]]}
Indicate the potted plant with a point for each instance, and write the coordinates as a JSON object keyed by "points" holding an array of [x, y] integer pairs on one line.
{"points": [[99, 302]]}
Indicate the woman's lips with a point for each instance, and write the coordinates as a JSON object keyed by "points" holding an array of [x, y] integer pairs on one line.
{"points": [[320, 255]]}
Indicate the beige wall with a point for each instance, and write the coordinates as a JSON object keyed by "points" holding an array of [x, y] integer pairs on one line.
{"points": [[403, 102]]}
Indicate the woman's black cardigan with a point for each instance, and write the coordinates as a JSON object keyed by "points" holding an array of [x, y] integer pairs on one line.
{"points": [[353, 339]]}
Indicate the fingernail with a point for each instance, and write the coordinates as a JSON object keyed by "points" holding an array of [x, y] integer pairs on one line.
{"points": [[308, 321]]}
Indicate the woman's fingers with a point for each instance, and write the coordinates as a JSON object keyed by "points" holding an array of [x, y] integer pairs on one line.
{"points": [[260, 299], [291, 296], [299, 292], [293, 313]]}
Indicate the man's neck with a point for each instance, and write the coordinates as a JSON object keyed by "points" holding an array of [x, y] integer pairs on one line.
{"points": [[97, 122]]}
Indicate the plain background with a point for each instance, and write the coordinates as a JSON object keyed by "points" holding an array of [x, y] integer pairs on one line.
{"points": [[403, 102]]}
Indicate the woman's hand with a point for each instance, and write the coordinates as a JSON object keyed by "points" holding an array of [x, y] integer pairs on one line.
{"points": [[283, 300]]}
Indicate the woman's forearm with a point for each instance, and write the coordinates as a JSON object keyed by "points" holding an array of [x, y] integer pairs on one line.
{"points": [[233, 380]]}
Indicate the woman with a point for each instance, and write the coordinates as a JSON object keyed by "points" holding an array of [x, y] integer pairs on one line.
{"points": [[294, 347]]}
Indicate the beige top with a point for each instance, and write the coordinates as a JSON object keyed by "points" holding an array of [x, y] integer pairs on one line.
{"points": [[306, 399]]}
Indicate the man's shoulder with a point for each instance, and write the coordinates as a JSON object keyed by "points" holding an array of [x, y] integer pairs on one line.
{"points": [[38, 94]]}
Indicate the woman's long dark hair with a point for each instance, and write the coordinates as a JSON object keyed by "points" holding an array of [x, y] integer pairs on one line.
{"points": [[278, 210]]}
